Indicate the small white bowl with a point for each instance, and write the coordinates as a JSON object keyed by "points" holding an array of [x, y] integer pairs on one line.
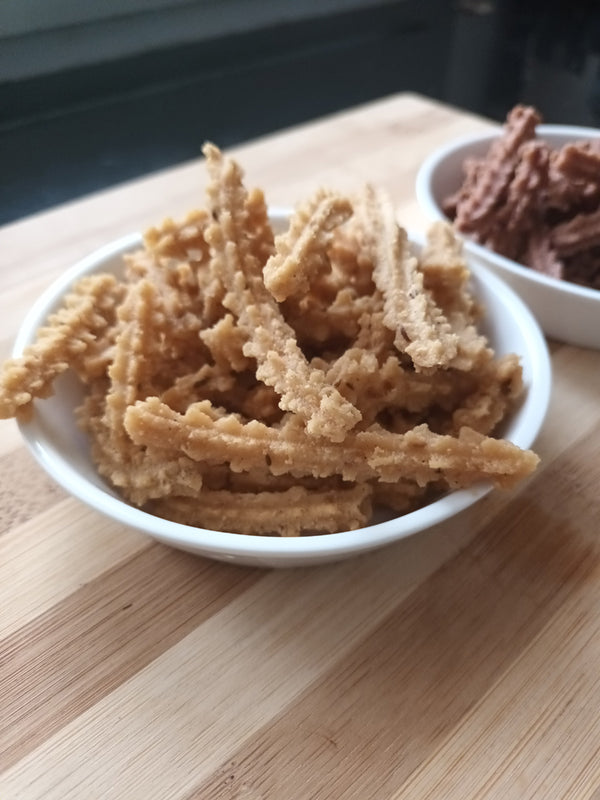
{"points": [[566, 311], [63, 451]]}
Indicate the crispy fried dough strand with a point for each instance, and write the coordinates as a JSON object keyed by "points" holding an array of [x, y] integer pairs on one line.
{"points": [[61, 343], [445, 275], [301, 252], [445, 271], [285, 513], [181, 241], [419, 454], [420, 326], [476, 206], [270, 340], [262, 241], [140, 473]]}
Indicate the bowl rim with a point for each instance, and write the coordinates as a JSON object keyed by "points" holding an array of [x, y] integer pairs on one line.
{"points": [[289, 549], [427, 201]]}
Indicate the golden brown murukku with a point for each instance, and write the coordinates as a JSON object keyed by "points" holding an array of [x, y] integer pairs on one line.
{"points": [[419, 454], [301, 252], [70, 334], [282, 384], [281, 363], [419, 324], [289, 512]]}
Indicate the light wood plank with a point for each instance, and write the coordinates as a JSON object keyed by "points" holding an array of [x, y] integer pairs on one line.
{"points": [[47, 558], [233, 674]]}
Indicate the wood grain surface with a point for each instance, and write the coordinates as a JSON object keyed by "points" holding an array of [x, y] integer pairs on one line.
{"points": [[460, 663]]}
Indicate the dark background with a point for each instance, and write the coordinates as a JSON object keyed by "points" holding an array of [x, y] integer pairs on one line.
{"points": [[68, 132]]}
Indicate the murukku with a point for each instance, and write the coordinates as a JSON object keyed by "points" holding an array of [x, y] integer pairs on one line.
{"points": [[535, 204], [283, 384]]}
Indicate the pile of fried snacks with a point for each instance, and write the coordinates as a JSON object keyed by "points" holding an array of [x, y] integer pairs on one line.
{"points": [[282, 384], [535, 204]]}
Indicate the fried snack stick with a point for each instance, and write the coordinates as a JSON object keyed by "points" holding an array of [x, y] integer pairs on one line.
{"points": [[205, 383], [579, 161], [373, 335], [445, 271], [471, 168], [285, 513], [264, 481], [270, 340], [420, 326], [317, 322], [303, 390], [181, 305], [577, 234], [445, 275], [372, 377], [180, 241], [475, 209], [351, 263], [177, 257], [356, 375], [227, 199], [70, 332], [457, 460], [301, 252], [499, 384], [226, 344], [541, 256], [331, 310], [238, 392], [131, 378], [567, 195], [521, 213], [93, 362], [220, 477], [152, 472], [140, 473], [392, 387], [262, 243], [327, 316], [419, 454], [136, 372]]}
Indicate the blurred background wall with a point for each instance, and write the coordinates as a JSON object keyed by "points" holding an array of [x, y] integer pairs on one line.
{"points": [[95, 93]]}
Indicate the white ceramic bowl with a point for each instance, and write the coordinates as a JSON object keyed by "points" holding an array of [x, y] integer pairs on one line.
{"points": [[63, 451], [566, 312]]}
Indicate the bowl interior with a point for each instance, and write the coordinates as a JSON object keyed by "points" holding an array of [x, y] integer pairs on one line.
{"points": [[63, 451]]}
